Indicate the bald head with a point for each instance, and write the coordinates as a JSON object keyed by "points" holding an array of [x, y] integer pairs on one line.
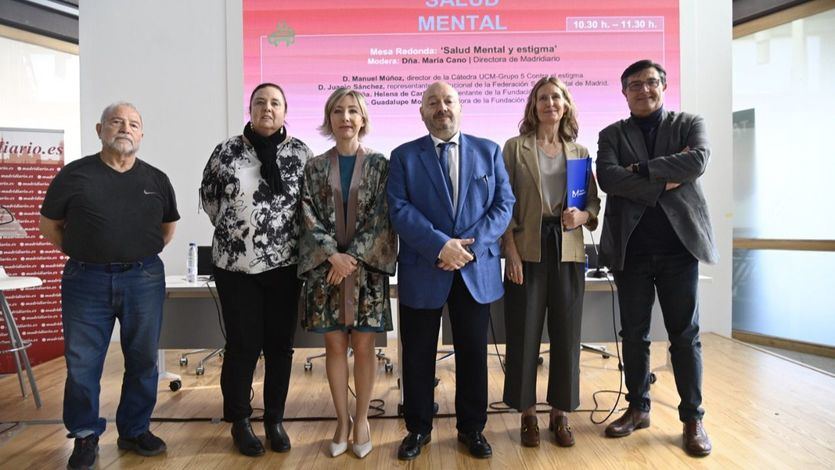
{"points": [[440, 110]]}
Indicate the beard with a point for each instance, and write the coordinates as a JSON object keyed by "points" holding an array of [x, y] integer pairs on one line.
{"points": [[440, 126], [121, 146]]}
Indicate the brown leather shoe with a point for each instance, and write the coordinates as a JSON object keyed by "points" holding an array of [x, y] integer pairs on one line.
{"points": [[631, 420], [696, 442], [562, 431], [530, 431]]}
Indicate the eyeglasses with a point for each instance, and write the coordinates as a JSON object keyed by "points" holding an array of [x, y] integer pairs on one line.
{"points": [[638, 85]]}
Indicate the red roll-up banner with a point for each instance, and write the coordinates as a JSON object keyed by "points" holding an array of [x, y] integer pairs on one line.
{"points": [[29, 159]]}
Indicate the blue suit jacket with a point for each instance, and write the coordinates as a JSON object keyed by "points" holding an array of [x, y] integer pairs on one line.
{"points": [[422, 215]]}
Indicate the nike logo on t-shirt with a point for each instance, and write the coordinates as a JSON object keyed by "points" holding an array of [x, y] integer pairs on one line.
{"points": [[148, 192]]}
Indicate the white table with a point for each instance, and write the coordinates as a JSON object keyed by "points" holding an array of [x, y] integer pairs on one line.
{"points": [[17, 344], [191, 320]]}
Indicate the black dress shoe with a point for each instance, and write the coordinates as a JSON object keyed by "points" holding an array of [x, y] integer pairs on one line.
{"points": [[476, 443], [279, 440], [245, 439], [410, 447]]}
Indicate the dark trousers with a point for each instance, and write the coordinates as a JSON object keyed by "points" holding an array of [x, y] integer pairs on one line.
{"points": [[260, 312], [675, 278], [419, 335], [556, 288]]}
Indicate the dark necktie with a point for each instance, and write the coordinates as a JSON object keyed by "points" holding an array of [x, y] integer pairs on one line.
{"points": [[444, 151]]}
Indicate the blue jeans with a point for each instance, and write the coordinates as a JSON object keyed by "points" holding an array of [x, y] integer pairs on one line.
{"points": [[93, 297], [675, 278]]}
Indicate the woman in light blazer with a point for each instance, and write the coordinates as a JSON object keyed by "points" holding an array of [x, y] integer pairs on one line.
{"points": [[545, 256]]}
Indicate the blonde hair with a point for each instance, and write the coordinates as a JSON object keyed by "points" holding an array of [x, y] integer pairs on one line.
{"points": [[326, 130], [568, 124]]}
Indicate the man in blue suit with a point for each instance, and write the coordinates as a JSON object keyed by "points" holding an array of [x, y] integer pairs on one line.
{"points": [[450, 201]]}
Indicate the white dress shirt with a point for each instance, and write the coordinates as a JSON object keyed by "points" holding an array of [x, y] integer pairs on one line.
{"points": [[454, 163]]}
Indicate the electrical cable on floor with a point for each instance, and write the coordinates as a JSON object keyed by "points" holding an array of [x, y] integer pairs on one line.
{"points": [[14, 425], [378, 405], [619, 391]]}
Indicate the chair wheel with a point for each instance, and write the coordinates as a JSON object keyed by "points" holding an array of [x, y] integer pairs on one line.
{"points": [[540, 360], [308, 366], [175, 385], [200, 370], [437, 381], [183, 361], [389, 367], [652, 377], [400, 409], [435, 408]]}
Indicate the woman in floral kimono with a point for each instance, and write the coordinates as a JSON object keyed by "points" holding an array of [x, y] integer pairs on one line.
{"points": [[347, 251]]}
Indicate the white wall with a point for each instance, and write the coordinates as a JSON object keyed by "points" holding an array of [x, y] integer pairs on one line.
{"points": [[169, 59], [180, 63], [706, 36]]}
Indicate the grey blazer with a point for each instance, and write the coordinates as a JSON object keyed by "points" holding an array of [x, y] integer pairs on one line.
{"points": [[628, 194]]}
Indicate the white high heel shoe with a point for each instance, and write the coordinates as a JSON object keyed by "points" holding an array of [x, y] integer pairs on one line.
{"points": [[339, 448], [361, 450]]}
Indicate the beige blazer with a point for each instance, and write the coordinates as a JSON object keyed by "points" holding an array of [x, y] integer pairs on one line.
{"points": [[522, 163]]}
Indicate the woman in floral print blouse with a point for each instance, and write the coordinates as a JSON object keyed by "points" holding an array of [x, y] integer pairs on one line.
{"points": [[250, 191]]}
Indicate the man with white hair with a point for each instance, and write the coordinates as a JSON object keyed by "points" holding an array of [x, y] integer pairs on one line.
{"points": [[112, 214]]}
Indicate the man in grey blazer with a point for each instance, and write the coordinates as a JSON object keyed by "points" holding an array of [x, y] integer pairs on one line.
{"points": [[655, 231]]}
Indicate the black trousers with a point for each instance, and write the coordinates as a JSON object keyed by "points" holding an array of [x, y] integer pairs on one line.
{"points": [[675, 278], [260, 313], [556, 288], [419, 335]]}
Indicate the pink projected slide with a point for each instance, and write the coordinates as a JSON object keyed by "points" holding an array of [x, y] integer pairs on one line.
{"points": [[492, 51]]}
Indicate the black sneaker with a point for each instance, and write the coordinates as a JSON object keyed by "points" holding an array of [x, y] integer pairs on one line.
{"points": [[144, 444], [85, 451]]}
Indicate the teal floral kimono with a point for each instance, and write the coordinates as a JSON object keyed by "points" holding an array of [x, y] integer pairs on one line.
{"points": [[361, 301]]}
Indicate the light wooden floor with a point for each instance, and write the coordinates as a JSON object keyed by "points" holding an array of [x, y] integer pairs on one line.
{"points": [[762, 412]]}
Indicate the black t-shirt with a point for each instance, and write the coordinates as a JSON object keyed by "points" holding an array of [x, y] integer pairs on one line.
{"points": [[110, 216]]}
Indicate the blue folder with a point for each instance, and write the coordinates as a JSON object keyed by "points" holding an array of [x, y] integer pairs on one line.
{"points": [[578, 175]]}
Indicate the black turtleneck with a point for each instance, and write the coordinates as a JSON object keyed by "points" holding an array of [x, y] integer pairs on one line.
{"points": [[654, 235], [649, 127]]}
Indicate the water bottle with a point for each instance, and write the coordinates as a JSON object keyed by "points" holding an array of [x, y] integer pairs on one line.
{"points": [[191, 263]]}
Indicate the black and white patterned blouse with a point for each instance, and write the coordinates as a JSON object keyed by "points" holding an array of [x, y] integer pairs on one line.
{"points": [[255, 231]]}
